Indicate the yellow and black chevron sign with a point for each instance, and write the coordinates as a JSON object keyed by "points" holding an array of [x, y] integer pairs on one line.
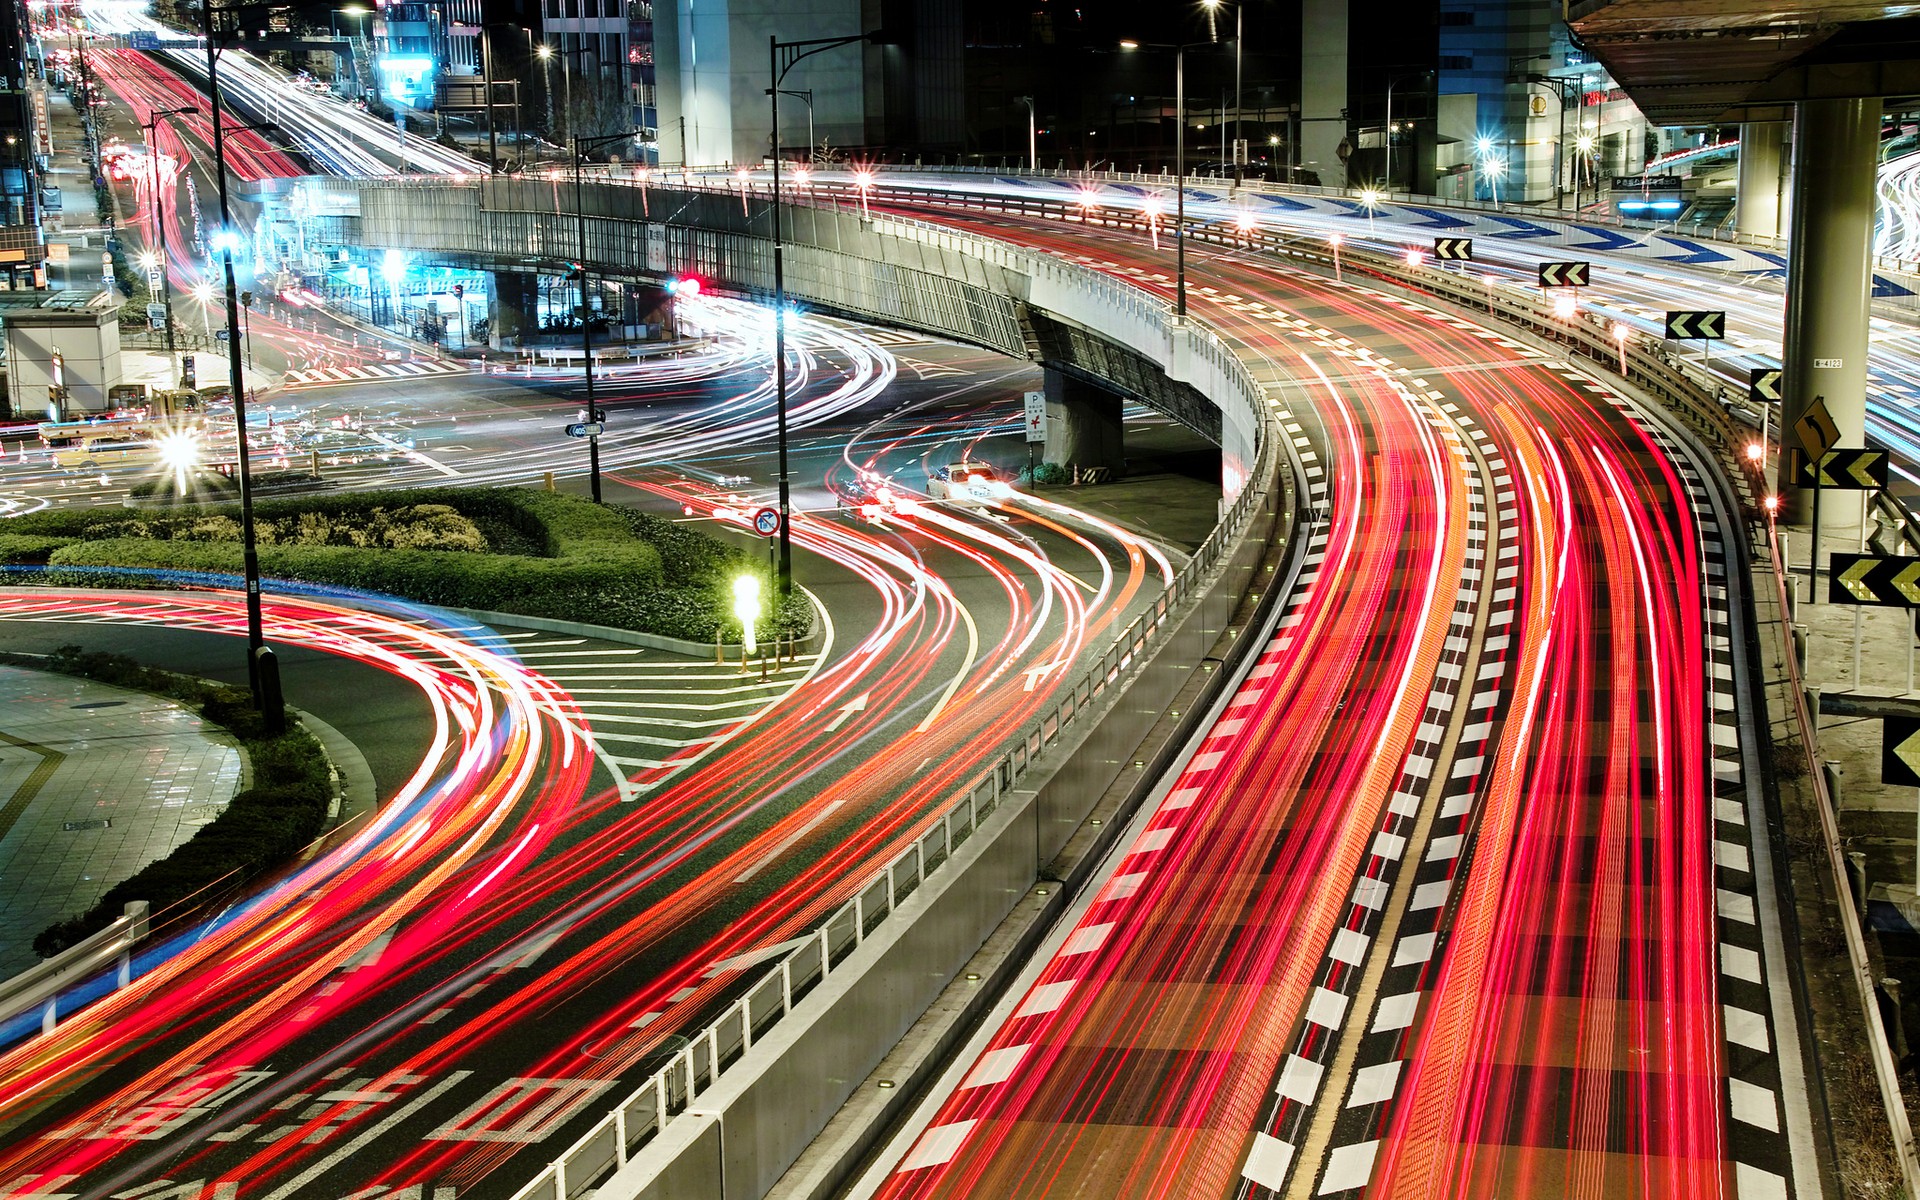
{"points": [[1900, 751], [1848, 470], [1884, 581]]}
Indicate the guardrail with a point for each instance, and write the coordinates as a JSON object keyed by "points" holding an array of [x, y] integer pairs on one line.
{"points": [[39, 986], [640, 1118], [1886, 1071]]}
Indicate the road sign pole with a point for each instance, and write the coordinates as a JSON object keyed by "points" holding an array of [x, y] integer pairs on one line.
{"points": [[1813, 556], [1912, 634]]}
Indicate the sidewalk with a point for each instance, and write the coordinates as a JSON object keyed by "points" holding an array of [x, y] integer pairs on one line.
{"points": [[95, 782]]}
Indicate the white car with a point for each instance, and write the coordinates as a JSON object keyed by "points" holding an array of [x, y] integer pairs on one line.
{"points": [[974, 481]]}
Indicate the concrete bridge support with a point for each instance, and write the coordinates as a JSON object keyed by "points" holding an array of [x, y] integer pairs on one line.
{"points": [[513, 305], [1084, 428], [1757, 195], [1829, 285]]}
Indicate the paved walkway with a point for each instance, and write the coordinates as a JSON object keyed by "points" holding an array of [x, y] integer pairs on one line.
{"points": [[95, 782]]}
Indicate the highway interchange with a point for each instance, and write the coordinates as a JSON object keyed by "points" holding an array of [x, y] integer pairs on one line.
{"points": [[1465, 891]]}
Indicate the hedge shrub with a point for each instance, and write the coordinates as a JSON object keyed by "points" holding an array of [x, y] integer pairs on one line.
{"points": [[537, 553], [261, 827]]}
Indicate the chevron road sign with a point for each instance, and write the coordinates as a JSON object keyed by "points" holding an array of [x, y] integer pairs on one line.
{"points": [[1900, 751], [1816, 430], [1763, 385], [1848, 470], [1565, 274], [1883, 581], [1453, 249], [1690, 324]]}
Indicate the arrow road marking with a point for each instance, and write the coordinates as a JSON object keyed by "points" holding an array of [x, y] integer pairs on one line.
{"points": [[1036, 674], [857, 704]]}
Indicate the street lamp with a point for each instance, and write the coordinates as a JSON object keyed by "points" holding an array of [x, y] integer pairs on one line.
{"points": [[1033, 133], [1179, 165], [151, 124], [566, 75], [263, 670], [1213, 8], [581, 147], [805, 94], [781, 58]]}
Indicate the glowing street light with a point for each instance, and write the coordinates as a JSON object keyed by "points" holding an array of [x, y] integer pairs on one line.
{"points": [[1620, 335], [746, 607], [1415, 258], [863, 182], [1334, 240], [1153, 208], [1563, 307]]}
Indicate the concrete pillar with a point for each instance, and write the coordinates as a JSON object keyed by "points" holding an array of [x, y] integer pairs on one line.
{"points": [[1083, 427], [1829, 280], [1758, 190], [513, 306], [1323, 88]]}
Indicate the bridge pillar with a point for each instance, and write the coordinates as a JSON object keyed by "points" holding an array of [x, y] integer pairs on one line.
{"points": [[513, 307], [1084, 428], [1836, 147], [1757, 192], [1323, 89]]}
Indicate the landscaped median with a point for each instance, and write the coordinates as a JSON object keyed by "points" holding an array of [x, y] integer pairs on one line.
{"points": [[505, 550]]}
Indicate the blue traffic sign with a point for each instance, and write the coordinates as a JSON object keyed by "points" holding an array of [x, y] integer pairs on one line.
{"points": [[585, 429]]}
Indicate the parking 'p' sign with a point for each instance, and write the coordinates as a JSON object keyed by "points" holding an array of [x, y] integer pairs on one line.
{"points": [[766, 521]]}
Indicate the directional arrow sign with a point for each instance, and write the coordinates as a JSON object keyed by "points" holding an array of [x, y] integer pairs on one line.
{"points": [[1852, 580], [857, 704], [1879, 580], [1691, 324], [1848, 470], [1815, 429], [1565, 274], [1453, 249], [1906, 584], [1763, 385], [1900, 751]]}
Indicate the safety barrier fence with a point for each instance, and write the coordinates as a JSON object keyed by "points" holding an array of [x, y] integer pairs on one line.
{"points": [[709, 1053]]}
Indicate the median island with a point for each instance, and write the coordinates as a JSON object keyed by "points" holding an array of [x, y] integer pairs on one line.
{"points": [[506, 550]]}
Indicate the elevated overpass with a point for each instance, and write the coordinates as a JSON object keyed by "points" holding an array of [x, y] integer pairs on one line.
{"points": [[1097, 337]]}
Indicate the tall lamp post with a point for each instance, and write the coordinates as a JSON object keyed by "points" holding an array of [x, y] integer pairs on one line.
{"points": [[581, 148], [151, 124], [1213, 8], [263, 670], [781, 58], [566, 75], [1179, 163], [1033, 132]]}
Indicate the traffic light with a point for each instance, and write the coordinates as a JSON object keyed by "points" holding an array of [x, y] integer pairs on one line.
{"points": [[459, 290], [576, 273], [683, 285]]}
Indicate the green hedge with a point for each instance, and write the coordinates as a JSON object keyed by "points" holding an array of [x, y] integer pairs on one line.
{"points": [[263, 826], [547, 555]]}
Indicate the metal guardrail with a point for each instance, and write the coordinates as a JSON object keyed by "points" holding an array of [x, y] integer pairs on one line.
{"points": [[639, 1118], [39, 986], [1886, 1071]]}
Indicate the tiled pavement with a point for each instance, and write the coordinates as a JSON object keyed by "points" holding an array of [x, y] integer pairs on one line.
{"points": [[95, 782]]}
